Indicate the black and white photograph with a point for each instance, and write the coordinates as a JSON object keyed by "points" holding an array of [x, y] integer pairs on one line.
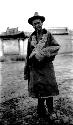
{"points": [[36, 62]]}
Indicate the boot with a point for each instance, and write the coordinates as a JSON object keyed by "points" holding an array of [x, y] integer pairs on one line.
{"points": [[51, 113], [41, 109], [49, 103]]}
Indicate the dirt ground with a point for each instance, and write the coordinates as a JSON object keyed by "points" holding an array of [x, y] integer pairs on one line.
{"points": [[17, 108]]}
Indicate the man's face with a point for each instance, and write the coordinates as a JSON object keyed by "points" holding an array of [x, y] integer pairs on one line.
{"points": [[37, 24]]}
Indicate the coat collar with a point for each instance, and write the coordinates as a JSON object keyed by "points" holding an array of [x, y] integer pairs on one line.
{"points": [[44, 31]]}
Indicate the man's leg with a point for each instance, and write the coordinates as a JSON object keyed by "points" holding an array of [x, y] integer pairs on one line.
{"points": [[41, 110], [49, 103]]}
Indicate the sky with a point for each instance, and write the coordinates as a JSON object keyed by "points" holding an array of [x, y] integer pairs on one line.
{"points": [[15, 13]]}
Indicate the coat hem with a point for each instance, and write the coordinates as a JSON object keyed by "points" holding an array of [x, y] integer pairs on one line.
{"points": [[44, 97]]}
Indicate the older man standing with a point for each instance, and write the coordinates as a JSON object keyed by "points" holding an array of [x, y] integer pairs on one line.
{"points": [[41, 51]]}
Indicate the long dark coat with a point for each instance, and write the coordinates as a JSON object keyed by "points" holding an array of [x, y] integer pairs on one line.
{"points": [[41, 75]]}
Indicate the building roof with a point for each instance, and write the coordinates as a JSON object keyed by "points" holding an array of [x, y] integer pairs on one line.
{"points": [[58, 30], [13, 33]]}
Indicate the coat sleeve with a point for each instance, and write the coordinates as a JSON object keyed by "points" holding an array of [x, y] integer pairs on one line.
{"points": [[26, 68], [53, 44]]}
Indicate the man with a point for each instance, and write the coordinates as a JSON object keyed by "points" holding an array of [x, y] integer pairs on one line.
{"points": [[41, 51]]}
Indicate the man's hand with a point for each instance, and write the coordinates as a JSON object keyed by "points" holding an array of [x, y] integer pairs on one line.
{"points": [[32, 54], [39, 56], [26, 77]]}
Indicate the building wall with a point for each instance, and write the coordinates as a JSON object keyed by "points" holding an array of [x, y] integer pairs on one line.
{"points": [[1, 53], [23, 47], [58, 30], [11, 46], [65, 42]]}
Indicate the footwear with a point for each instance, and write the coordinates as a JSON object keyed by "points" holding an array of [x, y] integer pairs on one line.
{"points": [[41, 109], [49, 103]]}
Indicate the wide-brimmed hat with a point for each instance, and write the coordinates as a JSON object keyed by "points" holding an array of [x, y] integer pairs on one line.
{"points": [[36, 16]]}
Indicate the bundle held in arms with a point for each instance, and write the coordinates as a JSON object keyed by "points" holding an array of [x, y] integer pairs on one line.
{"points": [[41, 50]]}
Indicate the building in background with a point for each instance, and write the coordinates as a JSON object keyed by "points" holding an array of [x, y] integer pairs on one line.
{"points": [[11, 40], [64, 38]]}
